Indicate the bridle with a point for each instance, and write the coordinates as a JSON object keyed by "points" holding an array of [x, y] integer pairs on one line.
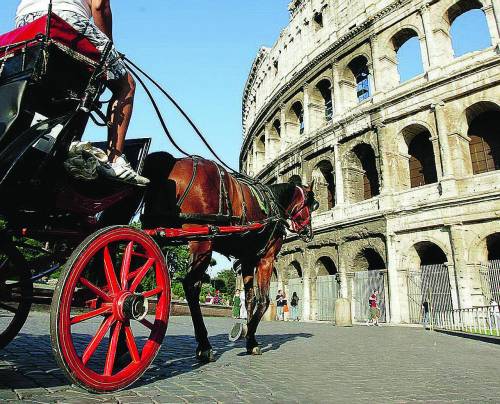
{"points": [[303, 228]]}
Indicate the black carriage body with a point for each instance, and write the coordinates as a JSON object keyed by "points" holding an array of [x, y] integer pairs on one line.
{"points": [[42, 86]]}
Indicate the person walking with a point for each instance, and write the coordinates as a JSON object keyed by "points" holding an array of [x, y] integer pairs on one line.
{"points": [[294, 304], [280, 302], [236, 304], [374, 309], [425, 314]]}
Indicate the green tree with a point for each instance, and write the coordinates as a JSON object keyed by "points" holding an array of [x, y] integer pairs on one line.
{"points": [[228, 279]]}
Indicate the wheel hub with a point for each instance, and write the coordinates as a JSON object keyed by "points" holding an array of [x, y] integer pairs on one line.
{"points": [[135, 307]]}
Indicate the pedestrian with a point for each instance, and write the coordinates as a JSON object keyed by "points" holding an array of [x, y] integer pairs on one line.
{"points": [[294, 303], [425, 314], [236, 304], [216, 299], [279, 305], [374, 309], [209, 298], [243, 305]]}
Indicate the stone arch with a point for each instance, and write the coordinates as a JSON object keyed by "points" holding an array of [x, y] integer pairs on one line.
{"points": [[356, 81], [421, 159], [321, 98], [362, 179], [324, 185], [456, 15], [368, 259], [324, 266], [260, 152], [407, 46], [485, 247], [295, 120], [426, 252], [484, 136], [275, 137]]}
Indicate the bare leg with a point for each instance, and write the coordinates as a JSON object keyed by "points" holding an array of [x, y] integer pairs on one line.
{"points": [[201, 254], [119, 114]]}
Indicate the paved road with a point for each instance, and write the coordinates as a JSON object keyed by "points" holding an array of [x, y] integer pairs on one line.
{"points": [[301, 363]]}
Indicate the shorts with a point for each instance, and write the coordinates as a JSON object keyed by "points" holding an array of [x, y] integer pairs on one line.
{"points": [[374, 313], [116, 67]]}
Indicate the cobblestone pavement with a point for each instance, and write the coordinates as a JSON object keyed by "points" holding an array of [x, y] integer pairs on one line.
{"points": [[301, 363]]}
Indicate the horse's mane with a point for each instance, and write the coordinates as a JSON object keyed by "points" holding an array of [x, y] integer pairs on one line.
{"points": [[283, 193]]}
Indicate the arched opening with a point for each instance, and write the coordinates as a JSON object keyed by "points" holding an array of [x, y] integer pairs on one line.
{"points": [[275, 138], [363, 179], [293, 283], [324, 290], [260, 153], [422, 163], [361, 74], [324, 88], [493, 246], [297, 116], [466, 17], [429, 282], [318, 21], [408, 54], [368, 260], [484, 134], [324, 185]]}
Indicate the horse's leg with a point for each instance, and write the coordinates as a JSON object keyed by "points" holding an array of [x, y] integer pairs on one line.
{"points": [[260, 298], [201, 254]]}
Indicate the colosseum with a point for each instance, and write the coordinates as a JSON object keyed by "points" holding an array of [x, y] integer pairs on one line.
{"points": [[406, 168]]}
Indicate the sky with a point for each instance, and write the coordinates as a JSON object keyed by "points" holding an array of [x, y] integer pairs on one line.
{"points": [[201, 51]]}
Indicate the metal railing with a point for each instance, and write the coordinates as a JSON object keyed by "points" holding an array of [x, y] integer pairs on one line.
{"points": [[483, 320], [489, 275]]}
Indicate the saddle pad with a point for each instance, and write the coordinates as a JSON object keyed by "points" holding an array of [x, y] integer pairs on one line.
{"points": [[261, 199]]}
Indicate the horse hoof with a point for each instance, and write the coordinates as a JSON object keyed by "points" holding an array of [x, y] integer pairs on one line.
{"points": [[205, 356], [255, 351]]}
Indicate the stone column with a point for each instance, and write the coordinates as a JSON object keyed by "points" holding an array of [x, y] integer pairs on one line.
{"points": [[284, 136], [462, 274], [442, 133], [339, 177], [338, 108], [382, 137], [493, 22], [496, 12], [268, 144], [306, 106], [393, 280]]}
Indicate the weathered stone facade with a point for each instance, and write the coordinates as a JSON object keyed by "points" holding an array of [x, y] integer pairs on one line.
{"points": [[407, 173]]}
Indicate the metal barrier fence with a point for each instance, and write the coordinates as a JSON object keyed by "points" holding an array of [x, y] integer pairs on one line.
{"points": [[483, 320], [364, 283], [489, 274], [430, 284], [327, 290]]}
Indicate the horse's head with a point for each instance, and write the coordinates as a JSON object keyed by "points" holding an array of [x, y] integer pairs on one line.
{"points": [[300, 210]]}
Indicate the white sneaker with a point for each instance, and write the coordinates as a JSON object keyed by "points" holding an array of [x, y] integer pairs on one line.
{"points": [[121, 170]]}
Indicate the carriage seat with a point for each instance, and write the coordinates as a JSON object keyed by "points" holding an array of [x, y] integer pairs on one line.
{"points": [[60, 33]]}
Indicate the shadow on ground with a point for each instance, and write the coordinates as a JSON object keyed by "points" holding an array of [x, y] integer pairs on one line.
{"points": [[28, 363]]}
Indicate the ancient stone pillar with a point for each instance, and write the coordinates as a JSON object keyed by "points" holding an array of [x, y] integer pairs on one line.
{"points": [[442, 132], [339, 178], [307, 111], [337, 97], [493, 22], [462, 274]]}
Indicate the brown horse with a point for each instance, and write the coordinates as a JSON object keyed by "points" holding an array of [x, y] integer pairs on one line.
{"points": [[194, 191]]}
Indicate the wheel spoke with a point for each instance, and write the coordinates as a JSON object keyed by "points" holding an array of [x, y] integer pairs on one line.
{"points": [[90, 314], [147, 324], [127, 256], [132, 346], [93, 288], [8, 308], [141, 274], [111, 355], [96, 341], [109, 271], [153, 292]]}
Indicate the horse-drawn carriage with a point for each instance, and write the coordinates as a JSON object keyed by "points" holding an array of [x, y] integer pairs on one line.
{"points": [[114, 277]]}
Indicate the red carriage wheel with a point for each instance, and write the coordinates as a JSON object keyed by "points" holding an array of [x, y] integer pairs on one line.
{"points": [[110, 309], [16, 292]]}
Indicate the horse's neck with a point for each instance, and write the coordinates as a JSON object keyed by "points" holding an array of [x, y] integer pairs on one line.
{"points": [[283, 194]]}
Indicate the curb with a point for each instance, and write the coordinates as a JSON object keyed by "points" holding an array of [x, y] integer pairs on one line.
{"points": [[484, 338]]}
